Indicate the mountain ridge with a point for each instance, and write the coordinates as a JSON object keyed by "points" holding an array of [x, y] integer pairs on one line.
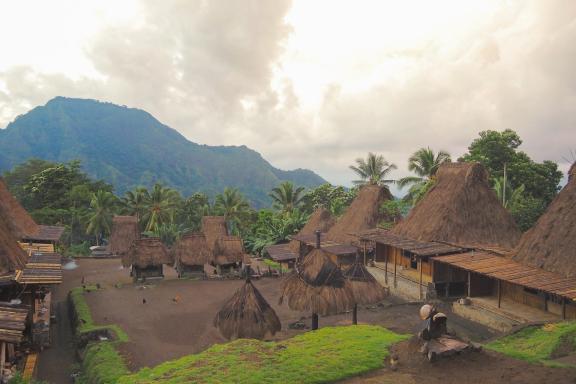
{"points": [[129, 147]]}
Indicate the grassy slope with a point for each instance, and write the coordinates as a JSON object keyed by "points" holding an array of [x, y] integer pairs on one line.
{"points": [[322, 356], [536, 344]]}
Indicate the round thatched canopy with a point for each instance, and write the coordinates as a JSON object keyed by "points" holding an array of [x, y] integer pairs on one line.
{"points": [[317, 286], [365, 288], [247, 315]]}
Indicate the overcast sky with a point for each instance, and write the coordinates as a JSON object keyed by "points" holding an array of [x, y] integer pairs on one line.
{"points": [[312, 84]]}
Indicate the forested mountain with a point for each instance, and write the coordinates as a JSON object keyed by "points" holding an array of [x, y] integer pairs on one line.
{"points": [[128, 147]]}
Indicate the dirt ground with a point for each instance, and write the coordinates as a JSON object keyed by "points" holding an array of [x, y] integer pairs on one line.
{"points": [[162, 329]]}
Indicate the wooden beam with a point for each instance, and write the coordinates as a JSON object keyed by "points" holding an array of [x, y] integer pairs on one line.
{"points": [[385, 264], [563, 308], [364, 253], [469, 285], [420, 285], [499, 293], [395, 269]]}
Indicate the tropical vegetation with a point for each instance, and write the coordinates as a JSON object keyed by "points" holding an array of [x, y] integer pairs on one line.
{"points": [[373, 170], [424, 163]]}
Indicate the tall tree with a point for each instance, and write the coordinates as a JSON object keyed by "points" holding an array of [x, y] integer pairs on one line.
{"points": [[232, 205], [160, 204], [102, 206], [424, 163], [134, 202], [373, 170], [287, 197]]}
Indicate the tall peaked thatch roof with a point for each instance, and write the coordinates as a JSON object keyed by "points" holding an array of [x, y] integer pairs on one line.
{"points": [[19, 219], [148, 252], [362, 214], [365, 288], [213, 227], [247, 315], [124, 231], [191, 249], [551, 243], [12, 257], [228, 250], [317, 286], [461, 208], [320, 220]]}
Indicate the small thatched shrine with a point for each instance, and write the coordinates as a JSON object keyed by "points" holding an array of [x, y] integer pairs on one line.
{"points": [[147, 257], [317, 285], [228, 252], [247, 315], [124, 231], [365, 289], [190, 254]]}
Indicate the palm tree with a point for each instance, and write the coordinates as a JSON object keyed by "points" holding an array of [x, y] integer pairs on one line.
{"points": [[102, 205], [159, 207], [373, 170], [506, 194], [232, 205], [424, 163], [286, 197], [135, 202]]}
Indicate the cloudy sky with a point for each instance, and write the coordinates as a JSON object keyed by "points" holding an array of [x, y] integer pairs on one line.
{"points": [[307, 83]]}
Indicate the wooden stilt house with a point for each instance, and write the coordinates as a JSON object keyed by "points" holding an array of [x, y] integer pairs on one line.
{"points": [[227, 251], [147, 257], [190, 254]]}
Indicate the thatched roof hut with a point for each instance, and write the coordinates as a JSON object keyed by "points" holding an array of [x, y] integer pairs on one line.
{"points": [[320, 220], [228, 250], [247, 315], [148, 252], [365, 288], [214, 227], [124, 231], [551, 243], [461, 208], [317, 286], [19, 219], [12, 257], [191, 249], [362, 214]]}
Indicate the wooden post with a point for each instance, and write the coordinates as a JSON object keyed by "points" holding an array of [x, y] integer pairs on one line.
{"points": [[563, 309], [364, 253], [2, 359], [499, 293], [395, 269], [469, 284], [420, 285], [355, 315], [314, 321], [385, 264]]}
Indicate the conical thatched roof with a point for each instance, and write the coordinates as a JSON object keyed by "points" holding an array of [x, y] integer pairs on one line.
{"points": [[317, 286], [12, 257], [19, 220], [124, 231], [362, 214], [320, 220], [365, 288], [191, 249], [148, 252], [461, 208], [551, 243], [247, 315], [228, 250], [213, 227]]}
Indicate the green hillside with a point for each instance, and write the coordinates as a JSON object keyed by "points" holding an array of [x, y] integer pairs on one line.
{"points": [[128, 147]]}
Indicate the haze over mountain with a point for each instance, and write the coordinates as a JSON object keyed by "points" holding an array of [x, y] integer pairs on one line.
{"points": [[128, 147]]}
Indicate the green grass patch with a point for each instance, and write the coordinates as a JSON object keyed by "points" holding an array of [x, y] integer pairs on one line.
{"points": [[538, 344], [102, 364], [326, 355]]}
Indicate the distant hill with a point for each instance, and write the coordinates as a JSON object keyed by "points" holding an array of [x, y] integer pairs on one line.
{"points": [[128, 147]]}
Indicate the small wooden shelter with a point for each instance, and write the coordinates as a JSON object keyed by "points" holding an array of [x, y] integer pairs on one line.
{"points": [[317, 285], [190, 254], [227, 251], [147, 257], [124, 231], [365, 289], [247, 315]]}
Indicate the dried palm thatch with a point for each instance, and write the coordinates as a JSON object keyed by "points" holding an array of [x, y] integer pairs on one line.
{"points": [[191, 249], [247, 315], [20, 222], [365, 288], [148, 252], [461, 208], [12, 257], [317, 286], [124, 231], [320, 220], [228, 250], [551, 243], [213, 227], [362, 214]]}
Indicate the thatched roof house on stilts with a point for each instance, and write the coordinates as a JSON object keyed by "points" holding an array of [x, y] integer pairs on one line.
{"points": [[317, 285], [247, 315], [147, 257], [227, 251], [287, 254], [124, 231], [190, 254], [459, 213]]}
